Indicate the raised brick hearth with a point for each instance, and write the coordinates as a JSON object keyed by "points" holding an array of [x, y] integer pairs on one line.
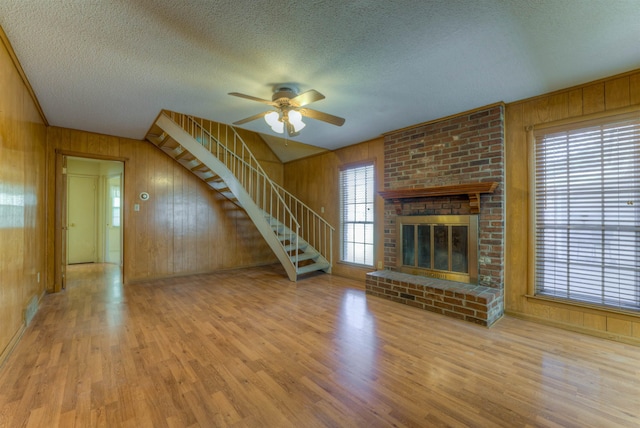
{"points": [[469, 302], [464, 149]]}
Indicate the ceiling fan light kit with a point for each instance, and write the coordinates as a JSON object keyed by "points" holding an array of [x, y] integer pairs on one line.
{"points": [[288, 111], [274, 121], [295, 119]]}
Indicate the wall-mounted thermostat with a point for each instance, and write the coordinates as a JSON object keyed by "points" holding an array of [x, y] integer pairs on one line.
{"points": [[144, 196]]}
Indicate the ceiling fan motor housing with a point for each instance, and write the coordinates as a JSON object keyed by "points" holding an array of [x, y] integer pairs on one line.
{"points": [[286, 100], [286, 92]]}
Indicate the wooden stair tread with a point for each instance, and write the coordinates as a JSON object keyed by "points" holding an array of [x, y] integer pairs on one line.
{"points": [[307, 255], [177, 142], [286, 237], [313, 267], [292, 247]]}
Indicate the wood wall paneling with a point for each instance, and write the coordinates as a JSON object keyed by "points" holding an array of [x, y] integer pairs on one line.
{"points": [[575, 103], [22, 196], [593, 98], [616, 93], [315, 180], [34, 219], [185, 227], [516, 212], [635, 330], [606, 95], [634, 89]]}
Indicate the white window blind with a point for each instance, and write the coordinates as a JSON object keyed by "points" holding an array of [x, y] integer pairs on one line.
{"points": [[114, 193], [357, 195], [587, 197]]}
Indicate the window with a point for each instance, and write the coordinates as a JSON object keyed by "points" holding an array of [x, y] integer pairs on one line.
{"points": [[587, 226], [357, 195], [114, 193]]}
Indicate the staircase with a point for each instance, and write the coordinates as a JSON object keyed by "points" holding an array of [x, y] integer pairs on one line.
{"points": [[298, 236]]}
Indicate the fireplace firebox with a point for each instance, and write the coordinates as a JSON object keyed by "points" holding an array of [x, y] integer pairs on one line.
{"points": [[442, 246]]}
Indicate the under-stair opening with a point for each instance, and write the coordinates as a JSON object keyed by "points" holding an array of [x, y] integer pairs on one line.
{"points": [[300, 238]]}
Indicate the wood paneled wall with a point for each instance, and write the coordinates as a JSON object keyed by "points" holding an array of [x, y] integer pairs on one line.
{"points": [[185, 227], [315, 181], [22, 175], [605, 95]]}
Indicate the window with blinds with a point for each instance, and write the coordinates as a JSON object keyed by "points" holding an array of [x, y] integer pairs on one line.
{"points": [[114, 194], [587, 208], [356, 214]]}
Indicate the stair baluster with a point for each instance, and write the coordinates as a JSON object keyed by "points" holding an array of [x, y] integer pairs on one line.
{"points": [[300, 233]]}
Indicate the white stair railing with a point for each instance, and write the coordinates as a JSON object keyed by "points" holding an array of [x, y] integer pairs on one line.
{"points": [[313, 229], [280, 206]]}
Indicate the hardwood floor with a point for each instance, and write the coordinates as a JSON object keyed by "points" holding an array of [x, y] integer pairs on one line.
{"points": [[249, 348]]}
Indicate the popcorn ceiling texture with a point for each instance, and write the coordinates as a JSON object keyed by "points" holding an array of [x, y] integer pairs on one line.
{"points": [[111, 66]]}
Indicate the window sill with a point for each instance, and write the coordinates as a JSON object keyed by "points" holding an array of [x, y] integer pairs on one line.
{"points": [[357, 266], [589, 307]]}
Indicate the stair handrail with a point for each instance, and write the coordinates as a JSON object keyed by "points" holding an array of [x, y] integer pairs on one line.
{"points": [[314, 229], [312, 232]]}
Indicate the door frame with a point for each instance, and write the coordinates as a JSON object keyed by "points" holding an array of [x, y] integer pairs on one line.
{"points": [[60, 235]]}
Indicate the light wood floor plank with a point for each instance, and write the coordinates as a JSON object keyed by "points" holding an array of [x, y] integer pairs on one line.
{"points": [[248, 348]]}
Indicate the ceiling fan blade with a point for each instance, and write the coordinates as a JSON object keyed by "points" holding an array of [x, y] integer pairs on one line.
{"points": [[307, 97], [250, 118], [249, 97], [325, 117]]}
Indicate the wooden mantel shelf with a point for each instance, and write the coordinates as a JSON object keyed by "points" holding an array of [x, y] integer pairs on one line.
{"points": [[473, 190]]}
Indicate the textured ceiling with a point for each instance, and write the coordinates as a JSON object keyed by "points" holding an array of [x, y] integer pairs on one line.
{"points": [[111, 66]]}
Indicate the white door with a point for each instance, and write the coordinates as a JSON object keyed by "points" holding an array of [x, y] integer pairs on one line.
{"points": [[114, 220], [81, 219]]}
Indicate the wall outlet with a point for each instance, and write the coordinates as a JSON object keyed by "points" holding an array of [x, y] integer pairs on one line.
{"points": [[38, 277], [380, 265]]}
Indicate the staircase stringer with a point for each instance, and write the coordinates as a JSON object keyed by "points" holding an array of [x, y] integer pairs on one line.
{"points": [[190, 144]]}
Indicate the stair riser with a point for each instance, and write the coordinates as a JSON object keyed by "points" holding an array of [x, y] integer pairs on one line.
{"points": [[184, 149]]}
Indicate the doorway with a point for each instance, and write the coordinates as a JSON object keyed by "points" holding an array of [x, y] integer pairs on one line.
{"points": [[82, 218], [92, 217]]}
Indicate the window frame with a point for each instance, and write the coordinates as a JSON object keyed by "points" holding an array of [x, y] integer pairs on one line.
{"points": [[372, 245], [534, 132]]}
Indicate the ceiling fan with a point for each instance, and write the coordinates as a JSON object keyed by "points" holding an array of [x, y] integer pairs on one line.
{"points": [[289, 109]]}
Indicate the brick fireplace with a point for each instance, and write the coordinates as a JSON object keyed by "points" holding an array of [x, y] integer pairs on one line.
{"points": [[438, 169]]}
